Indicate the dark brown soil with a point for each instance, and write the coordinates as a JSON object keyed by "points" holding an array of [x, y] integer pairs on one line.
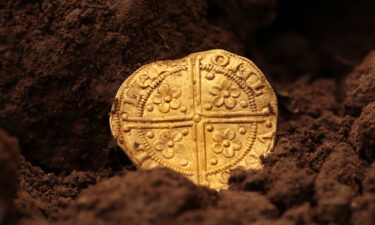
{"points": [[9, 153], [62, 61]]}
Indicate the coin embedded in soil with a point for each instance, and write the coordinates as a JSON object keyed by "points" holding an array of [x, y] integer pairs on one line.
{"points": [[201, 116]]}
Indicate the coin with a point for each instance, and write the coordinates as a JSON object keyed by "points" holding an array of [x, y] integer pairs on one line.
{"points": [[202, 116]]}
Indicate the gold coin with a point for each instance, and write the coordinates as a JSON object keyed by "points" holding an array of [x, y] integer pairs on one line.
{"points": [[202, 116]]}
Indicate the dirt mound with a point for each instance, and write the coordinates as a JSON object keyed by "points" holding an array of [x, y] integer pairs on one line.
{"points": [[9, 153]]}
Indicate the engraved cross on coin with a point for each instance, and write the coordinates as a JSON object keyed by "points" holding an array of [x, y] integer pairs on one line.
{"points": [[201, 116]]}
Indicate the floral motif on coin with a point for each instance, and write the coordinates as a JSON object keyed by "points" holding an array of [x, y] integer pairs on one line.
{"points": [[167, 98], [226, 143], [225, 94], [167, 141]]}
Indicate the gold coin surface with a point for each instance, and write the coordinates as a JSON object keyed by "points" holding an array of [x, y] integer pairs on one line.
{"points": [[202, 116]]}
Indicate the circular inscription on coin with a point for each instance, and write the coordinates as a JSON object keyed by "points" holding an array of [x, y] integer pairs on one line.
{"points": [[201, 116]]}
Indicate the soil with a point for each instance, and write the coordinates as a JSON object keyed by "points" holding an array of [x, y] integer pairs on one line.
{"points": [[61, 63], [9, 153]]}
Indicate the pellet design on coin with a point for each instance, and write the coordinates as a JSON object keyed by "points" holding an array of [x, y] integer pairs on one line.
{"points": [[202, 116]]}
